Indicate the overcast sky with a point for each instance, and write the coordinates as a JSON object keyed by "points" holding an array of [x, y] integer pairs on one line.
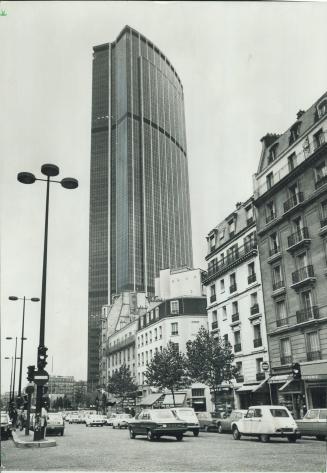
{"points": [[246, 68]]}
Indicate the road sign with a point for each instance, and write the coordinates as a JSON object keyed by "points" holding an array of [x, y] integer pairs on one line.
{"points": [[265, 365], [41, 377]]}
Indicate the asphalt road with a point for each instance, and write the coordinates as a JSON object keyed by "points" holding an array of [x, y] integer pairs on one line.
{"points": [[102, 448]]}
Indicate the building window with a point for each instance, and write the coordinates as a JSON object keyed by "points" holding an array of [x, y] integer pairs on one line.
{"points": [[277, 277], [222, 284], [157, 313], [272, 153], [232, 281], [250, 241], [198, 392], [232, 253], [150, 336], [237, 341], [274, 244], [318, 139], [294, 132], [213, 293], [270, 180], [138, 342], [221, 234], [226, 338], [320, 172], [249, 215], [174, 307], [160, 332], [148, 318], [146, 338], [322, 108], [156, 334], [291, 162], [251, 273], [142, 356], [313, 346], [285, 351], [224, 310], [239, 367], [222, 259], [281, 316], [212, 241], [175, 346], [270, 211], [235, 307], [231, 228], [174, 328], [214, 316], [258, 363], [306, 301], [142, 340], [257, 340], [138, 360], [301, 261]]}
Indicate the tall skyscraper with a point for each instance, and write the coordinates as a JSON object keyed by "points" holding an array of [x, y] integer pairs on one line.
{"points": [[139, 197]]}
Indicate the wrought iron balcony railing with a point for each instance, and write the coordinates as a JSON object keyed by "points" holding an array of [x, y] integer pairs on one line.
{"points": [[314, 355], [214, 325], [271, 217], [257, 342], [254, 309], [213, 298], [232, 288], [302, 274], [321, 181], [235, 317], [307, 314], [278, 285], [252, 278], [281, 322], [274, 251], [293, 201], [237, 347], [286, 360], [300, 235]]}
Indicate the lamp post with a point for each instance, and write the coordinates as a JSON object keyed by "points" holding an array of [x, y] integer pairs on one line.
{"points": [[11, 373], [14, 375], [48, 170], [33, 299]]}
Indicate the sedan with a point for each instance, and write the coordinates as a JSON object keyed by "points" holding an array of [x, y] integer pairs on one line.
{"points": [[155, 423], [121, 420], [314, 423], [95, 420], [225, 424]]}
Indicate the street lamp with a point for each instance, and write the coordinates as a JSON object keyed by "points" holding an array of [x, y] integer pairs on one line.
{"points": [[33, 299], [14, 376], [49, 170], [11, 373]]}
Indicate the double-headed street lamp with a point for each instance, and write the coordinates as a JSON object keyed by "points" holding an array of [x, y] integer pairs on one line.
{"points": [[33, 299], [49, 170]]}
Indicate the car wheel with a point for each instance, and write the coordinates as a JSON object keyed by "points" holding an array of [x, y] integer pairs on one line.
{"points": [[150, 435], [320, 437], [236, 434], [179, 437], [131, 434], [196, 432], [291, 438], [220, 429], [264, 438]]}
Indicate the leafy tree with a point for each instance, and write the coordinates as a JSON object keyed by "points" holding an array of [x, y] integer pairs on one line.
{"points": [[210, 360], [121, 383], [168, 370]]}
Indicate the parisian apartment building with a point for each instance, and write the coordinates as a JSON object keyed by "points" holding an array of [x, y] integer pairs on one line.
{"points": [[235, 304], [290, 195]]}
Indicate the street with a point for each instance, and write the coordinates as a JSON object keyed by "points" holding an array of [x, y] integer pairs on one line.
{"points": [[103, 448]]}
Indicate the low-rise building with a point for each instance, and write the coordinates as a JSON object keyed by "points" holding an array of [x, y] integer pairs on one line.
{"points": [[235, 303]]}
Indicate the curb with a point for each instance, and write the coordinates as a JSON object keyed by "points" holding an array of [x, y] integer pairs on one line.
{"points": [[19, 443]]}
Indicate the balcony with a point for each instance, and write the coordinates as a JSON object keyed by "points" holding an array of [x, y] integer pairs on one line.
{"points": [[214, 325], [257, 342], [249, 221], [293, 201], [120, 345], [302, 276], [282, 322], [239, 378], [235, 317], [213, 298], [260, 376], [307, 314], [237, 347], [271, 217], [274, 254], [233, 259], [254, 309], [232, 288], [286, 360], [252, 278], [321, 181], [278, 285], [314, 355], [298, 239]]}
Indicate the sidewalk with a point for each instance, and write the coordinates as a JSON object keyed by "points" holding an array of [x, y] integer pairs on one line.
{"points": [[26, 441]]}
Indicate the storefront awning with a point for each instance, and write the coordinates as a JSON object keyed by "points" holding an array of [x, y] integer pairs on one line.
{"points": [[280, 378], [179, 399], [260, 386], [249, 387], [286, 384], [314, 371], [150, 399]]}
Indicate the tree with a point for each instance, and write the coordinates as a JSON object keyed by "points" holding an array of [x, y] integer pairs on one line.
{"points": [[210, 360], [121, 383], [168, 370]]}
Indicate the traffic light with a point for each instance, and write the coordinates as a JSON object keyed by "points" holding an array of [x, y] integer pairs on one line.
{"points": [[30, 373], [42, 357], [296, 371]]}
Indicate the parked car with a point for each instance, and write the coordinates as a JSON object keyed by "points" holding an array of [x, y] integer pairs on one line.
{"points": [[110, 418], [225, 423], [205, 420], [5, 425], [96, 420], [188, 415], [265, 422], [121, 420], [74, 419], [314, 423], [155, 423], [55, 423]]}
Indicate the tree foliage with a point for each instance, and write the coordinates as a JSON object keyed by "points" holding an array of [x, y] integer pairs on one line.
{"points": [[168, 370], [210, 360], [121, 384]]}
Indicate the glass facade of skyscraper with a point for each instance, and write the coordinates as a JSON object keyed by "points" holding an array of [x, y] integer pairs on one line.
{"points": [[139, 203]]}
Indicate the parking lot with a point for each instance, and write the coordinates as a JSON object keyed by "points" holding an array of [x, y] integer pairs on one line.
{"points": [[104, 448]]}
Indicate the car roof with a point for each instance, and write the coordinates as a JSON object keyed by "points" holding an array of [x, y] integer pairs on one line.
{"points": [[267, 406]]}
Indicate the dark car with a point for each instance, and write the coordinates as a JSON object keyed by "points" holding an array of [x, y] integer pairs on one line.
{"points": [[225, 423], [314, 423], [155, 423], [5, 425]]}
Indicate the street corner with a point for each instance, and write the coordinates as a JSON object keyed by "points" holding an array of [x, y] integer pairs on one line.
{"points": [[22, 441]]}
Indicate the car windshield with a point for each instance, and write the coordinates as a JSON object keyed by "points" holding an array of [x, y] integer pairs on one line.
{"points": [[312, 414], [185, 413], [163, 415], [323, 414], [279, 413]]}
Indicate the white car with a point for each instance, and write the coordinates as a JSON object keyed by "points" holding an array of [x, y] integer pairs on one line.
{"points": [[265, 422], [110, 418], [121, 420], [96, 420], [187, 414], [74, 419]]}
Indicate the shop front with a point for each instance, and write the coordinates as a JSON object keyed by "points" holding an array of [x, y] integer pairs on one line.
{"points": [[285, 391], [252, 395], [314, 376]]}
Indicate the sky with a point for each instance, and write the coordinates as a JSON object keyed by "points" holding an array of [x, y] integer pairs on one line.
{"points": [[246, 69]]}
